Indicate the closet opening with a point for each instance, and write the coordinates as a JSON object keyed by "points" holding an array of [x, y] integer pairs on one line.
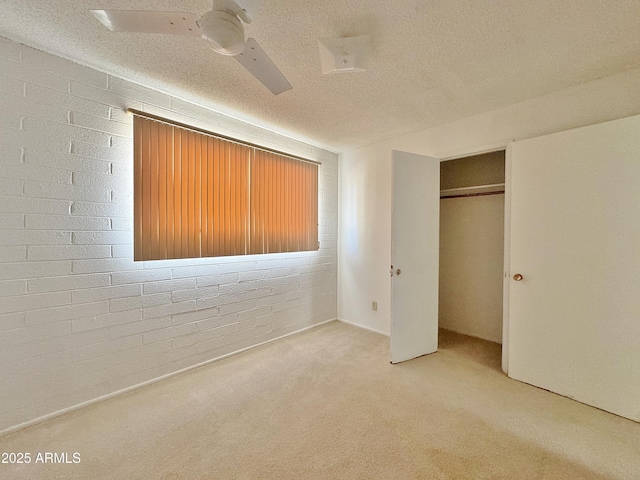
{"points": [[472, 257]]}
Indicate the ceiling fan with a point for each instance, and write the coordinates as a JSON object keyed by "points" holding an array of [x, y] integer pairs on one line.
{"points": [[221, 27]]}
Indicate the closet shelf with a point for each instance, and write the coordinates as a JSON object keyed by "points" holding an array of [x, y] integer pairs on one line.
{"points": [[492, 189]]}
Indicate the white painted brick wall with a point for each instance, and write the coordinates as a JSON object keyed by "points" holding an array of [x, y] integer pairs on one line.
{"points": [[78, 318]]}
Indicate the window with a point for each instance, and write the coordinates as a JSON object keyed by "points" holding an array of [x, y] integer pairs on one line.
{"points": [[197, 194]]}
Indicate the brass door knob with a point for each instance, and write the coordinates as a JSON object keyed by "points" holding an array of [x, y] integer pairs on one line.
{"points": [[517, 277]]}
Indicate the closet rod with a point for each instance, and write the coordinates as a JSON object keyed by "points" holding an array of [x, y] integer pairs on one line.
{"points": [[480, 194], [475, 191]]}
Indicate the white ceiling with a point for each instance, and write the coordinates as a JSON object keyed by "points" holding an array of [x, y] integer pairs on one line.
{"points": [[431, 61]]}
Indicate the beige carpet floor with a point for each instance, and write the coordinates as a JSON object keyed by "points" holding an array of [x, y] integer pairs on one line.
{"points": [[326, 404]]}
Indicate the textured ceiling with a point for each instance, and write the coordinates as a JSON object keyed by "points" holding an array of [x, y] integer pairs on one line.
{"points": [[431, 61]]}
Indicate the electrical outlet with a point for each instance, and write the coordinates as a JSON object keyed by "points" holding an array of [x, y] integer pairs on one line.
{"points": [[374, 306]]}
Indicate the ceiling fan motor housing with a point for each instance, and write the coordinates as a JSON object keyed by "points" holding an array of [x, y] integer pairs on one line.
{"points": [[223, 31]]}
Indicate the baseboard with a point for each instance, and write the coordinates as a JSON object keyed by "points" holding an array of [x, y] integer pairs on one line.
{"points": [[363, 327], [64, 411]]}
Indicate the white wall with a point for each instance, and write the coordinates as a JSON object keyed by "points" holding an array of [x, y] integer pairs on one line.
{"points": [[364, 243], [471, 263], [78, 318], [364, 249]]}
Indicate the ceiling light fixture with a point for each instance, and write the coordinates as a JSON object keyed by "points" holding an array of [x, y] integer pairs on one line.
{"points": [[343, 55], [223, 31]]}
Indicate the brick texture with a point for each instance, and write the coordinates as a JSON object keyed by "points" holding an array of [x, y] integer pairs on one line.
{"points": [[78, 317]]}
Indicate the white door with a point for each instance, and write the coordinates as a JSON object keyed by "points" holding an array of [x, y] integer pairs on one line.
{"points": [[574, 317], [415, 225]]}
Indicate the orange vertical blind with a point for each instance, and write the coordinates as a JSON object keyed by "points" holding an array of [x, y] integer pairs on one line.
{"points": [[284, 208], [196, 195], [186, 185]]}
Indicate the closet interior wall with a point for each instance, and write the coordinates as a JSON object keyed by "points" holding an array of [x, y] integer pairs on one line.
{"points": [[472, 245]]}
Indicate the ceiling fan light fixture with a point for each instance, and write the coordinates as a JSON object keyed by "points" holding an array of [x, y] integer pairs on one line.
{"points": [[221, 27], [223, 31]]}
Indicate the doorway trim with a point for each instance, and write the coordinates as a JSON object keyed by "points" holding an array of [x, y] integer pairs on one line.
{"points": [[473, 151]]}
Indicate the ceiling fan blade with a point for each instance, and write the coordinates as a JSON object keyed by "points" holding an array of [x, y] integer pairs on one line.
{"points": [[254, 59], [140, 21]]}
